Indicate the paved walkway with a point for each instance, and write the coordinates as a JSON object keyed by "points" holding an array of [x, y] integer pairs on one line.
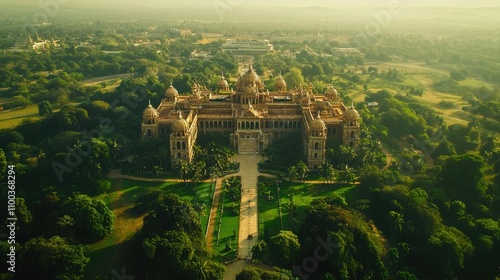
{"points": [[249, 223], [213, 214]]}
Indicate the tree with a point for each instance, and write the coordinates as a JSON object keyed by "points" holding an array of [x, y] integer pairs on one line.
{"points": [[329, 173], [283, 249], [44, 108], [294, 78], [302, 170], [51, 258], [346, 175], [172, 213], [462, 178], [344, 231], [445, 252], [3, 163], [93, 220]]}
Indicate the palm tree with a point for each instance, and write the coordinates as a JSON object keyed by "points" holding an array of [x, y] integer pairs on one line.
{"points": [[396, 222], [184, 169]]}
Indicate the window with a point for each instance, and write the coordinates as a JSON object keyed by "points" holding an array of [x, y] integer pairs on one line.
{"points": [[178, 145], [316, 146], [183, 145]]}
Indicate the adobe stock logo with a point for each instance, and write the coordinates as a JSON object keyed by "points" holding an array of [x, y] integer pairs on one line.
{"points": [[321, 253], [224, 6]]}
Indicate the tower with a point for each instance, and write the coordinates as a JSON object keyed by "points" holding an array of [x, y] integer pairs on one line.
{"points": [[181, 141], [351, 128], [316, 144], [149, 123]]}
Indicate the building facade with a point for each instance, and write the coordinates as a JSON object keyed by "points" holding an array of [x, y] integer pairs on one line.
{"points": [[253, 117], [246, 47]]}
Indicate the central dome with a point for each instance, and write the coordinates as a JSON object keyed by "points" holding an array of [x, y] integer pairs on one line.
{"points": [[250, 77]]}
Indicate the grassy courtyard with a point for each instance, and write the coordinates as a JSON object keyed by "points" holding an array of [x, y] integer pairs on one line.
{"points": [[302, 194], [229, 227], [111, 252]]}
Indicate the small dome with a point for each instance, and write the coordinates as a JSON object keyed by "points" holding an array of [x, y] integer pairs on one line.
{"points": [[222, 83], [351, 114], [150, 112], [331, 91], [318, 124], [171, 92], [180, 125], [280, 83]]}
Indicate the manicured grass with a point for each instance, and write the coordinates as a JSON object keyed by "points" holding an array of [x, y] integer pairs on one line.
{"points": [[229, 225], [108, 253], [15, 117], [303, 195]]}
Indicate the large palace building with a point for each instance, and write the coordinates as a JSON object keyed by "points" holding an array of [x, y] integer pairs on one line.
{"points": [[253, 117]]}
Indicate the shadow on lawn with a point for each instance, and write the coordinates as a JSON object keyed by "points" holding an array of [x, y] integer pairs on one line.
{"points": [[114, 258]]}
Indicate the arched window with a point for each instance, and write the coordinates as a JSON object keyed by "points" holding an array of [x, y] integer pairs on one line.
{"points": [[316, 146], [179, 155], [257, 126], [252, 125], [353, 135], [178, 145], [315, 155], [183, 145], [150, 133], [149, 121]]}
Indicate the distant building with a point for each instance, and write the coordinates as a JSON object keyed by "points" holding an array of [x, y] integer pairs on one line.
{"points": [[347, 52], [252, 118], [247, 46], [37, 45], [199, 55], [181, 32]]}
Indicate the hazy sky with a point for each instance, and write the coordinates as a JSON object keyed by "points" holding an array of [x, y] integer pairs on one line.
{"points": [[262, 3]]}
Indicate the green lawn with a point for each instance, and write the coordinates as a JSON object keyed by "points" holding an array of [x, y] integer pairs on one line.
{"points": [[303, 195], [14, 117], [111, 252], [229, 225]]}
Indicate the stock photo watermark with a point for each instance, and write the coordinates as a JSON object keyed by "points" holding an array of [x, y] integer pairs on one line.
{"points": [[48, 9], [321, 253]]}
